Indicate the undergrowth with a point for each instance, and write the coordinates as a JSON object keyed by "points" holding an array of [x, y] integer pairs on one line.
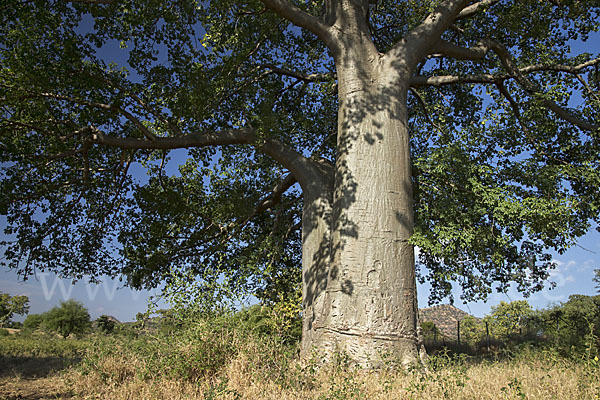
{"points": [[239, 356]]}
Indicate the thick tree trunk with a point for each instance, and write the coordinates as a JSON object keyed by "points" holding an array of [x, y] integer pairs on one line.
{"points": [[369, 307], [316, 254]]}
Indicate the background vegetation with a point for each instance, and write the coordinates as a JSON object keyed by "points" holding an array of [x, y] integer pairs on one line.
{"points": [[191, 351]]}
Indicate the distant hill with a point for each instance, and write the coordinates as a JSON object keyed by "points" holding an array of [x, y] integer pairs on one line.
{"points": [[444, 317]]}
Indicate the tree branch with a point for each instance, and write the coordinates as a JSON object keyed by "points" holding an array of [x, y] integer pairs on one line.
{"points": [[479, 51], [474, 8], [137, 99], [304, 169], [441, 80], [299, 75], [513, 104], [226, 233], [447, 49], [90, 1], [267, 202], [109, 107], [300, 18], [424, 107], [275, 196], [418, 42], [509, 64], [588, 88]]}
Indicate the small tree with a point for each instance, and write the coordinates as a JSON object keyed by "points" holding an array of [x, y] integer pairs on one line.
{"points": [[33, 322], [507, 318], [597, 279], [11, 305], [429, 331], [579, 312], [471, 330], [106, 324], [70, 317]]}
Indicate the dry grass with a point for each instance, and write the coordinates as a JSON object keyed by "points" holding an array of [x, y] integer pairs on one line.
{"points": [[524, 379], [249, 367]]}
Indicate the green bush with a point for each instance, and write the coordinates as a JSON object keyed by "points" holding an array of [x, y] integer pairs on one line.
{"points": [[4, 332], [507, 320], [201, 348], [270, 320], [44, 345], [33, 322], [70, 318], [105, 324]]}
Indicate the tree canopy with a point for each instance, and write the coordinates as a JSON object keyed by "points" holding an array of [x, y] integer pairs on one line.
{"points": [[71, 317], [503, 121], [11, 305]]}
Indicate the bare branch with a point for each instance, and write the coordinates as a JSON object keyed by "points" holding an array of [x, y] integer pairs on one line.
{"points": [[299, 75], [474, 8], [300, 18]]}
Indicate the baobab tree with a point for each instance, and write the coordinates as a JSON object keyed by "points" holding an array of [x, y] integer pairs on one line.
{"points": [[464, 128]]}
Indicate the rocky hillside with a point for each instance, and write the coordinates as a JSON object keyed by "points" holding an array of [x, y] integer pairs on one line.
{"points": [[444, 317]]}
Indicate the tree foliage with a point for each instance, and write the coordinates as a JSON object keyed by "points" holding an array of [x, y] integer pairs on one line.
{"points": [[509, 319], [11, 305], [106, 324], [571, 323], [33, 322], [472, 331], [505, 155], [71, 317]]}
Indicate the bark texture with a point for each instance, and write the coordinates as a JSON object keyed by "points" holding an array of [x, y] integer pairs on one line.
{"points": [[368, 308]]}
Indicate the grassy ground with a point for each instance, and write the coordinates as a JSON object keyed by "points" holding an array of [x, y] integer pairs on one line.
{"points": [[218, 361]]}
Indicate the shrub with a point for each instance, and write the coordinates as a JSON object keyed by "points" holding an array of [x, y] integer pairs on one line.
{"points": [[106, 324], [507, 319], [70, 318], [200, 349], [33, 322]]}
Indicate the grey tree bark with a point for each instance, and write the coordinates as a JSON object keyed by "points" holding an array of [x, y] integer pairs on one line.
{"points": [[359, 283]]}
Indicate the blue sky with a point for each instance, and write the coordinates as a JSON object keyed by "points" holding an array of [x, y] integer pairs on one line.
{"points": [[573, 275]]}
